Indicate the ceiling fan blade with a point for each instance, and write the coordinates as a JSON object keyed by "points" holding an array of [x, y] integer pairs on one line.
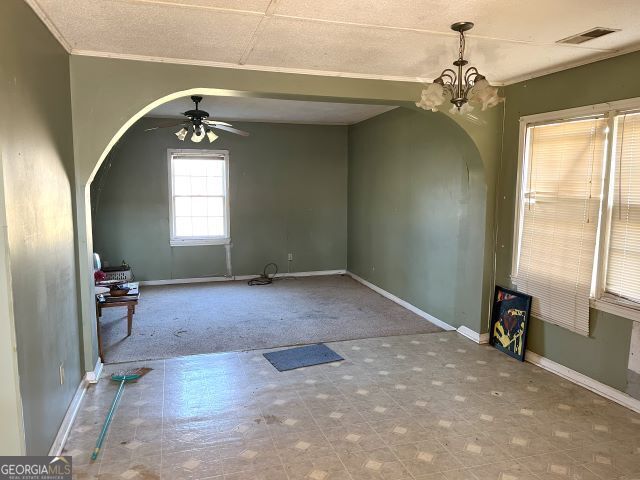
{"points": [[165, 125], [216, 122], [231, 129]]}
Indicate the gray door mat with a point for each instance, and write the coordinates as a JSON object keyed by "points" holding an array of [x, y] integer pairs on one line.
{"points": [[299, 357]]}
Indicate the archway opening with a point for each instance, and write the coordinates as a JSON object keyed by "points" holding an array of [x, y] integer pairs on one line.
{"points": [[295, 194]]}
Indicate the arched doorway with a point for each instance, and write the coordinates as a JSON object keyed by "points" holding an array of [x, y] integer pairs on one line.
{"points": [[125, 97]]}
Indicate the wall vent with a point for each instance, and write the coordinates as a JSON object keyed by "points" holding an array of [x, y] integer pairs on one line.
{"points": [[591, 34]]}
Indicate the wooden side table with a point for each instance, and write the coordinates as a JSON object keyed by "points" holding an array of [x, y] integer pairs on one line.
{"points": [[105, 300]]}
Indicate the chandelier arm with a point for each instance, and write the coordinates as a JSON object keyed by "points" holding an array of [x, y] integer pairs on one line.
{"points": [[450, 75], [467, 89], [469, 80], [471, 74], [448, 88]]}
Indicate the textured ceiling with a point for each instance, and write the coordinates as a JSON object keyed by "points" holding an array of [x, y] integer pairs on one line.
{"points": [[396, 39], [273, 110]]}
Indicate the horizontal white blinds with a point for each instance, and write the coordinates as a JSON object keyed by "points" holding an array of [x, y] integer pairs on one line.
{"points": [[562, 182], [623, 266]]}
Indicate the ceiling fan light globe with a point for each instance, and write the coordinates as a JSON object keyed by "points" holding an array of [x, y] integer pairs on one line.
{"points": [[197, 137], [182, 134], [211, 136]]}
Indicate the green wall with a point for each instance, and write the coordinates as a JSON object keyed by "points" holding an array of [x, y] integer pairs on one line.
{"points": [[416, 212], [604, 354], [37, 157], [288, 194]]}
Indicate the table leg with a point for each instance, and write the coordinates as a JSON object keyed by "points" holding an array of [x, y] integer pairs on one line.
{"points": [[129, 319]]}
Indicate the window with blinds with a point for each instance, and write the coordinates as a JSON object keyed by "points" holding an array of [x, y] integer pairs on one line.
{"points": [[560, 196], [199, 197], [623, 262]]}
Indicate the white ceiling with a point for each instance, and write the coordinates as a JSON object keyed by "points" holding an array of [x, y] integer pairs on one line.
{"points": [[273, 110], [395, 39]]}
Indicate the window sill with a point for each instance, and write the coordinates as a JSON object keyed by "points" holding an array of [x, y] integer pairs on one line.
{"points": [[199, 242], [616, 307]]}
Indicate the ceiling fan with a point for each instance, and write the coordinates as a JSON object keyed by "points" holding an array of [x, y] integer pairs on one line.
{"points": [[198, 124]]}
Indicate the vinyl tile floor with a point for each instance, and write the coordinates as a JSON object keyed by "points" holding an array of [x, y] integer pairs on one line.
{"points": [[429, 406]]}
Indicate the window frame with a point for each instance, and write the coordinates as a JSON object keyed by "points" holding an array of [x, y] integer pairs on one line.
{"points": [[176, 241], [599, 299]]}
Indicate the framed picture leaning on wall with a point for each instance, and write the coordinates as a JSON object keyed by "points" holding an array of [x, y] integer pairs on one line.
{"points": [[509, 321]]}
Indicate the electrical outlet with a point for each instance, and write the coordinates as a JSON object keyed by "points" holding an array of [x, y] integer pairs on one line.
{"points": [[61, 373], [290, 257]]}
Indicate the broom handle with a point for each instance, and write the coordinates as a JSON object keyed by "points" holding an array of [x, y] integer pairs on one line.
{"points": [[107, 421]]}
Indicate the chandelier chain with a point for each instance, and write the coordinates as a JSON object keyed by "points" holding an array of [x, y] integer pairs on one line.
{"points": [[462, 45]]}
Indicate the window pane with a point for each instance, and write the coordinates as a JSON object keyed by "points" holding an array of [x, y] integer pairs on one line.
{"points": [[623, 267], [181, 185], [216, 226], [198, 168], [215, 186], [180, 167], [215, 168], [200, 226], [199, 206], [182, 207], [198, 185], [560, 207], [215, 207], [183, 227]]}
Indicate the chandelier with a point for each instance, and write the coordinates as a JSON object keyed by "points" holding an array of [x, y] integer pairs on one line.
{"points": [[461, 87]]}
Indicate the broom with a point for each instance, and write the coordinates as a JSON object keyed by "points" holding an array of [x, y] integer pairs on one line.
{"points": [[123, 378]]}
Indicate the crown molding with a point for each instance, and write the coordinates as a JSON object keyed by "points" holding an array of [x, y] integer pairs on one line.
{"points": [[260, 68], [569, 66]]}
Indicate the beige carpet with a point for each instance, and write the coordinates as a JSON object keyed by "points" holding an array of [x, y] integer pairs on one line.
{"points": [[177, 320]]}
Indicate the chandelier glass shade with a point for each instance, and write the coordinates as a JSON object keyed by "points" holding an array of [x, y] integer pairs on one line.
{"points": [[461, 86]]}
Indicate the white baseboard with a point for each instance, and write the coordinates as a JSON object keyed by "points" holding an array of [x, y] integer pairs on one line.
{"points": [[313, 273], [480, 338], [72, 411], [584, 381], [399, 301], [176, 281], [94, 376], [67, 421]]}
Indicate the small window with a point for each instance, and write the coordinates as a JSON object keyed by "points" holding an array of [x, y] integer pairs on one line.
{"points": [[199, 190]]}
